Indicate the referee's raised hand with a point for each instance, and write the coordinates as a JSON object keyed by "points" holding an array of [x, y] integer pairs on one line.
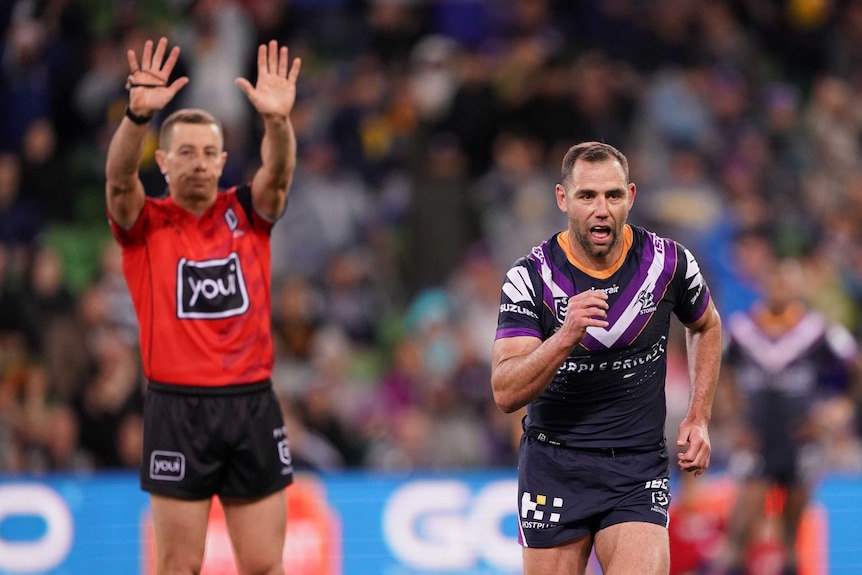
{"points": [[274, 93], [149, 90]]}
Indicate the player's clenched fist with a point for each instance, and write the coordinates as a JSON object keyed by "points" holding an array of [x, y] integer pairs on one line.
{"points": [[586, 309]]}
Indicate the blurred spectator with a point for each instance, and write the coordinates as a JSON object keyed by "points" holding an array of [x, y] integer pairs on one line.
{"points": [[474, 288], [297, 315], [330, 207], [308, 449], [46, 430], [47, 298], [433, 76], [318, 414], [473, 113], [25, 75], [671, 38], [600, 94], [844, 46], [112, 289], [684, 200], [18, 332], [20, 224], [101, 84], [352, 303], [833, 120], [407, 446], [441, 223], [393, 29], [110, 404], [44, 176], [514, 198], [739, 267], [272, 19]]}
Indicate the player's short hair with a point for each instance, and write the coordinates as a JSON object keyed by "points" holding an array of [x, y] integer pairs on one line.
{"points": [[591, 152], [185, 116]]}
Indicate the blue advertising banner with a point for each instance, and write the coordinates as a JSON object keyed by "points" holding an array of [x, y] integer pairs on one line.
{"points": [[71, 525], [344, 524], [462, 523]]}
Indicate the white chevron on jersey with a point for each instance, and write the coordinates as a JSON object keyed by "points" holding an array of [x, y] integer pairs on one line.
{"points": [[610, 335], [774, 355], [518, 285], [692, 271], [547, 273]]}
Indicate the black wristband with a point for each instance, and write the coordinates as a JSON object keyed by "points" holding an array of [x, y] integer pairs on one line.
{"points": [[139, 120]]}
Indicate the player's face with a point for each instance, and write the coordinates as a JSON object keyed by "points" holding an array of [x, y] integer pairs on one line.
{"points": [[193, 162], [597, 200]]}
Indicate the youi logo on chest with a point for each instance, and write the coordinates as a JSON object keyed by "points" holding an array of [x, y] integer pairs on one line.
{"points": [[211, 289]]}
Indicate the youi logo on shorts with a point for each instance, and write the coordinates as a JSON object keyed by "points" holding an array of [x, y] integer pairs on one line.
{"points": [[167, 466], [211, 289]]}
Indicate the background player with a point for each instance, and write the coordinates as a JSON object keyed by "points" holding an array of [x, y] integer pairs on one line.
{"points": [[786, 362]]}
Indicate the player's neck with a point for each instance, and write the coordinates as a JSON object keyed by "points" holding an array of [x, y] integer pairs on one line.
{"points": [[602, 267]]}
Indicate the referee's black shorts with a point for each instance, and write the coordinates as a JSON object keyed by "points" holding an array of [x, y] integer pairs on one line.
{"points": [[566, 493], [228, 441]]}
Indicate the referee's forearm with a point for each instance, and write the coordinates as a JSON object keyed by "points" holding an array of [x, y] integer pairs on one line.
{"points": [[124, 191]]}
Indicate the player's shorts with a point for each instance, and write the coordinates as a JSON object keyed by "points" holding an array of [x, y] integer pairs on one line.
{"points": [[566, 493], [787, 465], [228, 441]]}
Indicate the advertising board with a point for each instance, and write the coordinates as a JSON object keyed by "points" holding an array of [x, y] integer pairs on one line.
{"points": [[355, 524]]}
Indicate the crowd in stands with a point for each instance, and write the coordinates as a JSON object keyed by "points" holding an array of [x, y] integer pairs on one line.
{"points": [[430, 136]]}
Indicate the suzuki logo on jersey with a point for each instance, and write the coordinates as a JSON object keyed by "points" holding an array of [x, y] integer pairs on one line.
{"points": [[167, 466], [510, 307], [537, 510], [211, 289]]}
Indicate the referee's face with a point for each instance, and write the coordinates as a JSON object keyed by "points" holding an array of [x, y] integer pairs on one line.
{"points": [[597, 200], [193, 162]]}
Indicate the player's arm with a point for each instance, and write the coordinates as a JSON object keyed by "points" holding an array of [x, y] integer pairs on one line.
{"points": [[522, 367], [149, 92], [273, 97], [703, 344]]}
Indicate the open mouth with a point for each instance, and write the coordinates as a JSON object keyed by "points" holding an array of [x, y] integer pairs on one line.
{"points": [[600, 233]]}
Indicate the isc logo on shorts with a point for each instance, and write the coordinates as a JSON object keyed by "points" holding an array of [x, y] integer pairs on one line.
{"points": [[211, 289], [167, 466]]}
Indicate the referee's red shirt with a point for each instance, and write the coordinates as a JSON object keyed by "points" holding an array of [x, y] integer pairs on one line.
{"points": [[201, 289]]}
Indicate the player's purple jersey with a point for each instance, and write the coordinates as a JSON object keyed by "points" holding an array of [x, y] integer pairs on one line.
{"points": [[782, 374], [610, 390]]}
